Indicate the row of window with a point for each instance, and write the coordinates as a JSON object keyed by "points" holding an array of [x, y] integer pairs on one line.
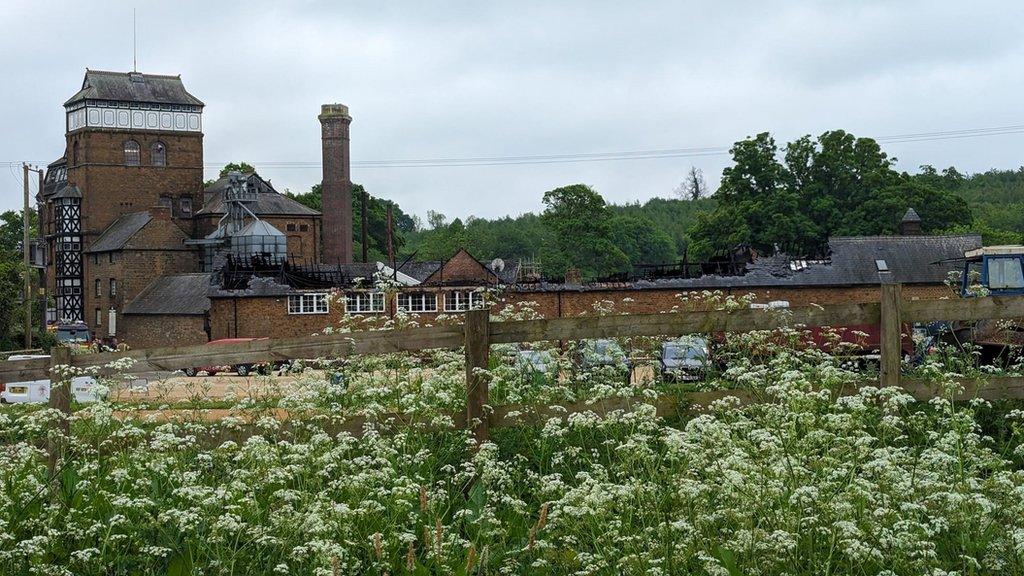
{"points": [[184, 206], [302, 227], [133, 154], [373, 302], [111, 257], [98, 290]]}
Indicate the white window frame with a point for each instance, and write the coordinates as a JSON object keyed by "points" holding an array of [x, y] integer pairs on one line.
{"points": [[416, 302], [310, 303], [364, 302], [463, 300]]}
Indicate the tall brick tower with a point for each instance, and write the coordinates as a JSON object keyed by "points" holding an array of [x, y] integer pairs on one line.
{"points": [[337, 184], [133, 142]]}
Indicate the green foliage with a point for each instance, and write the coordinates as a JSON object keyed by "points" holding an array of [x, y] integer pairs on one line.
{"points": [[996, 199], [582, 232], [11, 229], [376, 220], [10, 296], [243, 167], [794, 198]]}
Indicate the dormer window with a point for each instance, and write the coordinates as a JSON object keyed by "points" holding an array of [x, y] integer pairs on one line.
{"points": [[131, 153], [158, 154]]}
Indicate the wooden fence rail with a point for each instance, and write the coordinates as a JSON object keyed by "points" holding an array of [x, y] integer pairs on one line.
{"points": [[478, 333]]}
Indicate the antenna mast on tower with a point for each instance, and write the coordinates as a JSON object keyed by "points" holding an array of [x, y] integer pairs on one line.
{"points": [[135, 49]]}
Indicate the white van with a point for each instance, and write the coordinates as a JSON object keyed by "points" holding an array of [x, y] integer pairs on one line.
{"points": [[38, 391]]}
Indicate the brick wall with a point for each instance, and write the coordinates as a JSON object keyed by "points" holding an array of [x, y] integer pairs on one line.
{"points": [[268, 315], [110, 189], [461, 267], [156, 250], [156, 330]]}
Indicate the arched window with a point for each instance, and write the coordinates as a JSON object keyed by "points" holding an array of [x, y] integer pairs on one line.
{"points": [[158, 154], [74, 153], [131, 153]]}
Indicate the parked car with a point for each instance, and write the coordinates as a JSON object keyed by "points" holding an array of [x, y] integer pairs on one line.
{"points": [[240, 369], [83, 388], [535, 361], [590, 354], [72, 332], [685, 359]]}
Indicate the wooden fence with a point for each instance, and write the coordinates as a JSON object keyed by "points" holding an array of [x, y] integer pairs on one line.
{"points": [[478, 332]]}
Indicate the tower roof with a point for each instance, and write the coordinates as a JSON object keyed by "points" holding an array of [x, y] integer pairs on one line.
{"points": [[133, 87], [911, 216]]}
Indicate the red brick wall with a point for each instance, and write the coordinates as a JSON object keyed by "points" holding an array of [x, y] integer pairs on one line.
{"points": [[158, 330], [110, 189], [268, 315], [155, 250], [461, 267]]}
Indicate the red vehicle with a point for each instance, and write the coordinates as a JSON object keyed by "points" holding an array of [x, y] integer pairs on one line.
{"points": [[240, 369]]}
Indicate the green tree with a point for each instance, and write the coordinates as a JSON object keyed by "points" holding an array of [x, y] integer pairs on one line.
{"points": [[581, 225], [794, 199], [641, 241], [376, 220], [11, 229], [243, 167]]}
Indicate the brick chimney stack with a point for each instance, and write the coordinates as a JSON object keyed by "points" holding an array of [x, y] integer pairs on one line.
{"points": [[337, 184]]}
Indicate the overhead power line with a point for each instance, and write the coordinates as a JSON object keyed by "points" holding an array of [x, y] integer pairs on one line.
{"points": [[653, 154]]}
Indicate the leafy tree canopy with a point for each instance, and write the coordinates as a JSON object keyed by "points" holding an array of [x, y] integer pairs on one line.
{"points": [[794, 198]]}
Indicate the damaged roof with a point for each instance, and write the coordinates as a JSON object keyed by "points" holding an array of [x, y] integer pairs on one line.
{"points": [[854, 261], [175, 294], [120, 232], [133, 87]]}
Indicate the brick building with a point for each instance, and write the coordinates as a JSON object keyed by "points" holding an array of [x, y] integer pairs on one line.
{"points": [[853, 273], [124, 212], [139, 249]]}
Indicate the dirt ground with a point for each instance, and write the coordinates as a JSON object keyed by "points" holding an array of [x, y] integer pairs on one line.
{"points": [[169, 388]]}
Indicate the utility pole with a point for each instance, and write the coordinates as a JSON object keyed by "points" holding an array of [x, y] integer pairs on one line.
{"points": [[26, 249], [364, 203], [28, 271]]}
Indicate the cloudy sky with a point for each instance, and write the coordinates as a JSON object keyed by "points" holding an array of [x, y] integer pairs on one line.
{"points": [[503, 79]]}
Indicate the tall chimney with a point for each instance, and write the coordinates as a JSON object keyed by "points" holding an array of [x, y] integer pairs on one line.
{"points": [[337, 185]]}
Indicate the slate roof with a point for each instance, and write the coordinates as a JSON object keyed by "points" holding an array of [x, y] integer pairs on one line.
{"points": [[120, 232], [910, 260], [133, 87], [176, 294], [56, 177], [269, 202], [420, 270], [911, 216]]}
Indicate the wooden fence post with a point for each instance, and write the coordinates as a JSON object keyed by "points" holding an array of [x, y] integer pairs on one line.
{"points": [[891, 339], [60, 399], [478, 348]]}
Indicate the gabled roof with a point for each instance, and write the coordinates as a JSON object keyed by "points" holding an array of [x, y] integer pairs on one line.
{"points": [[120, 232], [175, 294], [133, 87], [269, 202]]}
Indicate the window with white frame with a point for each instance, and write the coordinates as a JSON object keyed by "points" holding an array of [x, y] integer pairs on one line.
{"points": [[460, 301], [364, 302], [417, 302], [307, 304]]}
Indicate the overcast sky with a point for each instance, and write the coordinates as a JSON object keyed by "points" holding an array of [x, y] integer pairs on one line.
{"points": [[471, 79]]}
